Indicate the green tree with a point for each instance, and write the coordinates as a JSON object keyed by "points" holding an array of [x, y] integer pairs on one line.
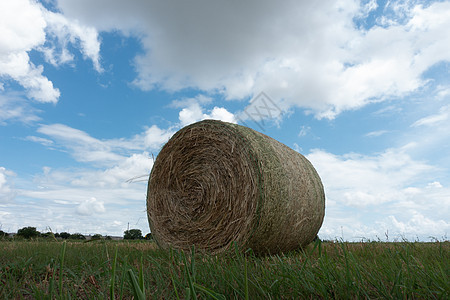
{"points": [[132, 234], [148, 236], [3, 234], [77, 236], [64, 235], [28, 232], [47, 234], [97, 236]]}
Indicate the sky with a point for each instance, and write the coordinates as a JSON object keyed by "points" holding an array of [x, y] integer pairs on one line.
{"points": [[90, 90]]}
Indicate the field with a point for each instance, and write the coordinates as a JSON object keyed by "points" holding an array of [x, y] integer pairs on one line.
{"points": [[61, 270]]}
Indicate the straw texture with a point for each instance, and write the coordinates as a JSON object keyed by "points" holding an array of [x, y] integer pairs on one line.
{"points": [[214, 183]]}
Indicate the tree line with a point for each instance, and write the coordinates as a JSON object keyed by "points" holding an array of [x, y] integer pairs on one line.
{"points": [[32, 233]]}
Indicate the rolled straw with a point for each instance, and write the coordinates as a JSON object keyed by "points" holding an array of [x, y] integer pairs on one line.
{"points": [[215, 183]]}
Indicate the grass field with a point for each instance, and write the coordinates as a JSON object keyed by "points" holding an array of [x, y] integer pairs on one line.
{"points": [[50, 269]]}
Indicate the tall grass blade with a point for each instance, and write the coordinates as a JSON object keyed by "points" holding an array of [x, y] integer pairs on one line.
{"points": [[63, 253], [141, 276], [187, 293], [209, 292], [246, 278], [138, 294], [174, 287], [51, 286], [122, 278], [113, 276], [193, 262], [191, 284]]}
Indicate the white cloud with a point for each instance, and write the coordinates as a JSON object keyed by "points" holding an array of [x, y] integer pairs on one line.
{"points": [[366, 194], [81, 145], [194, 113], [116, 161], [22, 29], [367, 8], [190, 114], [7, 192], [220, 113], [434, 184], [26, 25], [67, 31], [14, 108], [133, 168], [91, 206], [56, 193], [417, 226], [357, 180], [307, 54], [431, 132], [443, 92], [443, 115], [304, 130], [184, 102], [154, 137], [108, 152], [40, 140], [376, 133]]}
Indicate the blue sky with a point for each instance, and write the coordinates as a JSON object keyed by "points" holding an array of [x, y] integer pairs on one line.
{"points": [[91, 90]]}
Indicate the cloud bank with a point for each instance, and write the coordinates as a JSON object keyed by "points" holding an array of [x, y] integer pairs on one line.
{"points": [[320, 55], [25, 25]]}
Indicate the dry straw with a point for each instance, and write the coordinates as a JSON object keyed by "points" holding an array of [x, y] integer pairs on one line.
{"points": [[214, 183]]}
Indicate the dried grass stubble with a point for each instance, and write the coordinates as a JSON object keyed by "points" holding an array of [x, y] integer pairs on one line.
{"points": [[214, 183]]}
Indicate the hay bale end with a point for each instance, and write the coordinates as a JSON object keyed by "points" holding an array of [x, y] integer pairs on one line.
{"points": [[215, 183]]}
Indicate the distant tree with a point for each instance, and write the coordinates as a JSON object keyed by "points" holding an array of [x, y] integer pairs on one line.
{"points": [[148, 236], [97, 236], [108, 238], [77, 236], [57, 235], [64, 235], [47, 234], [28, 232], [132, 234], [3, 234]]}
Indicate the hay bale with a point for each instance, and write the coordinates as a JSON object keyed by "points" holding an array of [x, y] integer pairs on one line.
{"points": [[214, 183]]}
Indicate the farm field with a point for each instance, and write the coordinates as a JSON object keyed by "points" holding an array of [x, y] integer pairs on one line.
{"points": [[44, 269]]}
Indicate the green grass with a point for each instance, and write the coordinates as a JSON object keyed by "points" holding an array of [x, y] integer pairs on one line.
{"points": [[123, 270]]}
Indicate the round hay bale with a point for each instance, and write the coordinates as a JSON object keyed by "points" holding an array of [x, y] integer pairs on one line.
{"points": [[214, 183]]}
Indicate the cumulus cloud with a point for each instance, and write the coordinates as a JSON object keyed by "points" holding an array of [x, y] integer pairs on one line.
{"points": [[154, 137], [7, 192], [417, 226], [62, 31], [90, 206], [26, 25], [57, 193], [307, 54], [22, 26], [131, 169], [368, 196], [357, 180], [193, 111]]}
